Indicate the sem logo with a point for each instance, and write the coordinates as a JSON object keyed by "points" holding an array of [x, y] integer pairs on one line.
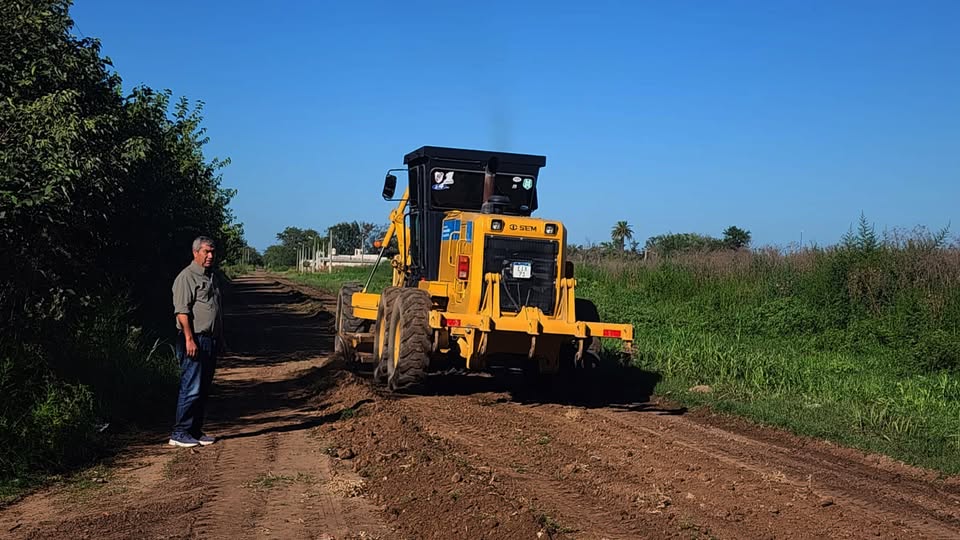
{"points": [[528, 228]]}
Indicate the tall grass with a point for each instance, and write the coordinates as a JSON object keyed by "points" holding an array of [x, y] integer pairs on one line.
{"points": [[859, 343]]}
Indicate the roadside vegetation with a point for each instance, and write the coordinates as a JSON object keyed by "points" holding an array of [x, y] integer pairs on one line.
{"points": [[331, 281], [101, 192], [858, 343]]}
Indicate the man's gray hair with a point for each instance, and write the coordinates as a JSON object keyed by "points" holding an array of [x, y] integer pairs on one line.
{"points": [[201, 240]]}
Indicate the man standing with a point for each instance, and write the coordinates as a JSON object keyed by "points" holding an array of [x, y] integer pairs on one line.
{"points": [[196, 303]]}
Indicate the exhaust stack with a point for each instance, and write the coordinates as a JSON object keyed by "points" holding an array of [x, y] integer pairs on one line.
{"points": [[489, 173], [491, 203]]}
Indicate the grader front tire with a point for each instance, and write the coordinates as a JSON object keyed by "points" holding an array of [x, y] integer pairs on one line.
{"points": [[381, 334], [411, 339]]}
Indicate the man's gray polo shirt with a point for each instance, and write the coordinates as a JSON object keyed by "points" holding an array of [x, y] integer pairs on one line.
{"points": [[196, 293]]}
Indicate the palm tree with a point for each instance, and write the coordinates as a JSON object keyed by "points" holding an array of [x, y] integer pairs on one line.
{"points": [[620, 233]]}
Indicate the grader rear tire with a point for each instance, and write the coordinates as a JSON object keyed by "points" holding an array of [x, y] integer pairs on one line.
{"points": [[411, 339], [586, 311], [381, 332], [344, 321]]}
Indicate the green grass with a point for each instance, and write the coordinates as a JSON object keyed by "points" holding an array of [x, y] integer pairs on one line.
{"points": [[784, 346], [552, 526], [233, 270], [269, 480], [331, 282]]}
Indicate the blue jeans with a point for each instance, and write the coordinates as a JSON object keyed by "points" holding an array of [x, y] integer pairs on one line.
{"points": [[196, 377]]}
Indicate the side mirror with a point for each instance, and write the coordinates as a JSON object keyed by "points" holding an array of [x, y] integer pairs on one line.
{"points": [[389, 186]]}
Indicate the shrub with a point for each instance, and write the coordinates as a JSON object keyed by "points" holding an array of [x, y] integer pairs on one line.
{"points": [[938, 350], [60, 426]]}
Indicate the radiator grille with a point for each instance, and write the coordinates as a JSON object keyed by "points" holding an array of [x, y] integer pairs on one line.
{"points": [[500, 252]]}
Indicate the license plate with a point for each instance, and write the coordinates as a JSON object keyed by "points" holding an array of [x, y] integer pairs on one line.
{"points": [[522, 270]]}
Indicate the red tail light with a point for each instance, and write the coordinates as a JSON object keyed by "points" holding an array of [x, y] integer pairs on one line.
{"points": [[463, 267], [453, 322], [611, 333]]}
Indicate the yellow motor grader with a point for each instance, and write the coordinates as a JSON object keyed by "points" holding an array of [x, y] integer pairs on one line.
{"points": [[476, 281]]}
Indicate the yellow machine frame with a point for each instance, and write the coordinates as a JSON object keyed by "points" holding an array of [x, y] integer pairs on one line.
{"points": [[472, 316]]}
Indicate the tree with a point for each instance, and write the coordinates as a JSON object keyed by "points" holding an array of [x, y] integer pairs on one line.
{"points": [[375, 239], [279, 257], [670, 243], [292, 239], [249, 255], [101, 194], [86, 173], [620, 233], [736, 238], [366, 233], [232, 246], [347, 236]]}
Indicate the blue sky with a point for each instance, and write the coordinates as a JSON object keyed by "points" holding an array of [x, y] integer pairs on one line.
{"points": [[676, 116]]}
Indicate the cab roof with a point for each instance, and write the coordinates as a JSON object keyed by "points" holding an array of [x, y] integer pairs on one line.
{"points": [[426, 153]]}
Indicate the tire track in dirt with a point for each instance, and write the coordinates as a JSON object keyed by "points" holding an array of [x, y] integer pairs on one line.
{"points": [[608, 473], [919, 505], [547, 478]]}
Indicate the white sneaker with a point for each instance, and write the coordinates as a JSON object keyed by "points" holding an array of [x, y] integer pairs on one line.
{"points": [[183, 441], [206, 440]]}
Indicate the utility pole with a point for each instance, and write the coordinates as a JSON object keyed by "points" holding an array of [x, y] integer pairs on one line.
{"points": [[330, 250]]}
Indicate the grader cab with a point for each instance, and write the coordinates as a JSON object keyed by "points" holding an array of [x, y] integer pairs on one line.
{"points": [[477, 280]]}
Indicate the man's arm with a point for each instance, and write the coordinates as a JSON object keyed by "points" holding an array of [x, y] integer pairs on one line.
{"points": [[183, 305], [191, 343]]}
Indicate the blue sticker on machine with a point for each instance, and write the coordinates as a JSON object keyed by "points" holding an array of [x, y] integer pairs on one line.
{"points": [[469, 232], [451, 230]]}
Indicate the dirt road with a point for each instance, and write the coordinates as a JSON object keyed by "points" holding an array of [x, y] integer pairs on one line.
{"points": [[311, 450]]}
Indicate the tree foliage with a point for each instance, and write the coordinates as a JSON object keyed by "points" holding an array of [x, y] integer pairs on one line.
{"points": [[864, 240], [292, 239], [101, 194], [347, 236], [670, 243], [736, 238], [375, 241]]}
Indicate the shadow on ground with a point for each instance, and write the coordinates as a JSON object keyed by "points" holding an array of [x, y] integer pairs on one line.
{"points": [[618, 386], [623, 388], [270, 325]]}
